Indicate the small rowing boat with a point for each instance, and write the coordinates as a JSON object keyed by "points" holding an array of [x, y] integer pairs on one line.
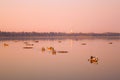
{"points": [[27, 47], [62, 51]]}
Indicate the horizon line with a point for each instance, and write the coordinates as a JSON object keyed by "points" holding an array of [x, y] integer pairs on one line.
{"points": [[56, 32]]}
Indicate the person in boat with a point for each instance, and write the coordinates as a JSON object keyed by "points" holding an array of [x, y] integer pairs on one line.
{"points": [[93, 59]]}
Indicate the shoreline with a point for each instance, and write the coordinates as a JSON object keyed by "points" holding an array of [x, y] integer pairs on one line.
{"points": [[58, 37]]}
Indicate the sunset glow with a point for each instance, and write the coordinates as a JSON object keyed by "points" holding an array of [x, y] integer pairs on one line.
{"points": [[60, 15]]}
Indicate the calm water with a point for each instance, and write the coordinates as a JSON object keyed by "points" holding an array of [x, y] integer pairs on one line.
{"points": [[17, 63]]}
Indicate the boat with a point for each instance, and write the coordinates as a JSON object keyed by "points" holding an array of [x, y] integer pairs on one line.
{"points": [[84, 44], [27, 47], [50, 48], [110, 42], [93, 59], [5, 44], [36, 41], [59, 41], [62, 51]]}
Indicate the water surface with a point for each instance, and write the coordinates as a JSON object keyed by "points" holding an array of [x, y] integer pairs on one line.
{"points": [[17, 63]]}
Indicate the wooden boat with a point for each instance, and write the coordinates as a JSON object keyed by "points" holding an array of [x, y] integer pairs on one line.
{"points": [[62, 51], [110, 42], [84, 44], [27, 47], [5, 44], [59, 41], [93, 60], [36, 41]]}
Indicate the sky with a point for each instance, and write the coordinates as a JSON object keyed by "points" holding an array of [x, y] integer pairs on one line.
{"points": [[60, 15]]}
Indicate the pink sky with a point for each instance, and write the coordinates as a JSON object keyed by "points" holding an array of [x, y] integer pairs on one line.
{"points": [[60, 15]]}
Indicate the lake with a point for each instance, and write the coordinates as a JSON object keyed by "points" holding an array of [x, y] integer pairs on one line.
{"points": [[85, 59]]}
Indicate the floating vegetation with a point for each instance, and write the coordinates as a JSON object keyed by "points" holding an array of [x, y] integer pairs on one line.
{"points": [[27, 47], [62, 51], [93, 60], [5, 44]]}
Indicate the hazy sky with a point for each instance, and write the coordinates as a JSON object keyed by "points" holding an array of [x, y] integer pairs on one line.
{"points": [[60, 15]]}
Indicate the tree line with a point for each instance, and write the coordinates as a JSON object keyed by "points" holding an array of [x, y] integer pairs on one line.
{"points": [[45, 34]]}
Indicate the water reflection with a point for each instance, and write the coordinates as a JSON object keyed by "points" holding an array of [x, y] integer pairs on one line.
{"points": [[40, 62], [71, 43], [16, 41], [93, 59], [62, 51]]}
